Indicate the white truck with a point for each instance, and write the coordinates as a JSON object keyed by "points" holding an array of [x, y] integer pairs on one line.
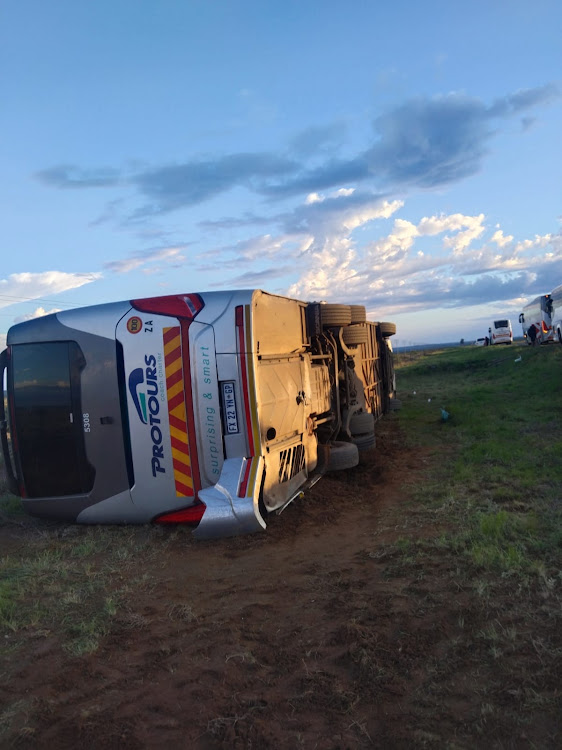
{"points": [[210, 409]]}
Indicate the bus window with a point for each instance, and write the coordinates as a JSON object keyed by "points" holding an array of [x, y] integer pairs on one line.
{"points": [[45, 382]]}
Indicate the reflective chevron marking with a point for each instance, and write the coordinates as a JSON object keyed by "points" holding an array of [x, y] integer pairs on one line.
{"points": [[176, 412]]}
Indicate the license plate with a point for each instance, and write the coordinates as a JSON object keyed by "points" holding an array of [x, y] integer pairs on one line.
{"points": [[230, 413]]}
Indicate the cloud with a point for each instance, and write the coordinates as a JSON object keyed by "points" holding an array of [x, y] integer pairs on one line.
{"points": [[523, 99], [430, 142], [400, 272], [434, 141], [235, 222], [28, 286], [500, 239], [343, 209], [39, 312], [69, 176], [166, 255], [194, 182], [314, 140], [316, 233], [254, 279], [425, 142]]}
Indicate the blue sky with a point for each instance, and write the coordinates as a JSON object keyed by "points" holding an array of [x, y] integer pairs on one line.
{"points": [[405, 156]]}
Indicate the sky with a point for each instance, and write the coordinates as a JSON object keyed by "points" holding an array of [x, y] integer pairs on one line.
{"points": [[405, 156]]}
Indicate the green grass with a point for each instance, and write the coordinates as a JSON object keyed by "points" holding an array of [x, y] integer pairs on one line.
{"points": [[500, 467], [73, 586]]}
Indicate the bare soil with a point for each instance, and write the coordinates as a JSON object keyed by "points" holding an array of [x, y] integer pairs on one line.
{"points": [[317, 634]]}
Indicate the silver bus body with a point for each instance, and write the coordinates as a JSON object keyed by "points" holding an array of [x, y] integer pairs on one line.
{"points": [[537, 314], [556, 297], [210, 409]]}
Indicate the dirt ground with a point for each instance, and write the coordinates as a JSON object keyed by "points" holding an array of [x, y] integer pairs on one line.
{"points": [[312, 635]]}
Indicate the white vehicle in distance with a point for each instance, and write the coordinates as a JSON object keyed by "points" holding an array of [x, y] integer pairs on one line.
{"points": [[536, 320], [556, 298], [501, 332], [210, 409], [481, 342]]}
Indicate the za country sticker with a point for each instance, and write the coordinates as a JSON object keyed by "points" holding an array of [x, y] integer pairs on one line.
{"points": [[134, 325]]}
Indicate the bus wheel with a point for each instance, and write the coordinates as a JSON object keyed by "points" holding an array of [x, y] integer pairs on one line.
{"points": [[342, 456], [361, 423], [355, 334], [364, 442], [335, 315], [387, 329], [362, 428], [358, 313]]}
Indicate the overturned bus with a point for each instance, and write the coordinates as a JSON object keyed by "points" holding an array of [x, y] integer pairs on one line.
{"points": [[209, 409]]}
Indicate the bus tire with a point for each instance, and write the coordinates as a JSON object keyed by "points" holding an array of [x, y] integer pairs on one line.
{"points": [[361, 423], [387, 329], [342, 456], [358, 314], [355, 334], [365, 442], [333, 316]]}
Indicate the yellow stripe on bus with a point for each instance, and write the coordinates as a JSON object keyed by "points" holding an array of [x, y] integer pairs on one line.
{"points": [[251, 381], [183, 478], [178, 434], [174, 390], [181, 454], [173, 344], [173, 366], [252, 478]]}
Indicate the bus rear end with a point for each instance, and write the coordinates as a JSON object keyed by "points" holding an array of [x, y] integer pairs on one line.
{"points": [[63, 426], [127, 413], [501, 332], [188, 369]]}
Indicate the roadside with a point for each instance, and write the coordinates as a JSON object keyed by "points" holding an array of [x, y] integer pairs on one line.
{"points": [[374, 612]]}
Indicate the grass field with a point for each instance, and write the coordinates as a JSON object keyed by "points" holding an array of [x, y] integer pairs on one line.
{"points": [[443, 601], [500, 441], [494, 488]]}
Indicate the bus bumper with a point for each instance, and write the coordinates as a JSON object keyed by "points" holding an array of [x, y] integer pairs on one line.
{"points": [[233, 502]]}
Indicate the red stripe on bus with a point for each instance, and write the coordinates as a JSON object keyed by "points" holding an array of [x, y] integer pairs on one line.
{"points": [[174, 378], [170, 334], [175, 401], [183, 489], [172, 356], [189, 407], [184, 468], [244, 484], [245, 391], [178, 423], [180, 445]]}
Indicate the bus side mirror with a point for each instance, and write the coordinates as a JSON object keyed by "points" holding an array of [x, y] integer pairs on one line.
{"points": [[521, 318]]}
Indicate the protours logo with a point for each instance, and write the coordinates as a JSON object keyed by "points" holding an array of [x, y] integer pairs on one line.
{"points": [[136, 379], [147, 405]]}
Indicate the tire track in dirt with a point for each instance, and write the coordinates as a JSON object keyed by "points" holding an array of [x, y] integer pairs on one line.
{"points": [[310, 635]]}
